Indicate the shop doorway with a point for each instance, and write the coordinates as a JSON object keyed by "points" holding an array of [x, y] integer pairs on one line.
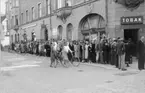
{"points": [[133, 34]]}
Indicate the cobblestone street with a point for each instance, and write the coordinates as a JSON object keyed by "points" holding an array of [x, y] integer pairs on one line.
{"points": [[31, 74]]}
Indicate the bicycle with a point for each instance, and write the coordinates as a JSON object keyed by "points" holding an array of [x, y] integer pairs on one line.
{"points": [[73, 61]]}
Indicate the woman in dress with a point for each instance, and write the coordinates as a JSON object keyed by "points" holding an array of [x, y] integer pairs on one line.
{"points": [[65, 51], [86, 51]]}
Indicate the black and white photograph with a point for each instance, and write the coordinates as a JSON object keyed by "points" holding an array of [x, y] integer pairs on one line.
{"points": [[72, 46]]}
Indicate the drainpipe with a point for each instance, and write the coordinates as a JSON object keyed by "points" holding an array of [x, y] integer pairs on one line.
{"points": [[106, 7], [50, 19], [0, 37]]}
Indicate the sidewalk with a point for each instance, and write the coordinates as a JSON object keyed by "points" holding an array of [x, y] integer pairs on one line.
{"points": [[133, 67]]}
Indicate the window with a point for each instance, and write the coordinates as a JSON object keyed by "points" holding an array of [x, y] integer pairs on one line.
{"points": [[17, 2], [16, 20], [39, 10], [48, 6], [59, 4], [12, 21], [7, 8], [27, 16], [68, 3], [22, 17], [33, 14]]}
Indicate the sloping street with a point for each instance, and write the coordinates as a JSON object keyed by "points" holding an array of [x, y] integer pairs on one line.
{"points": [[32, 74]]}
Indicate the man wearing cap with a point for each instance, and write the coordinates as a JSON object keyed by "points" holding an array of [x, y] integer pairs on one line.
{"points": [[121, 54]]}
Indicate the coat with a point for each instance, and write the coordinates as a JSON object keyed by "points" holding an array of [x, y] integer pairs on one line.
{"points": [[141, 54], [76, 48]]}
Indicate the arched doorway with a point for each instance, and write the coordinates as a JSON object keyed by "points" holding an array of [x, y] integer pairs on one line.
{"points": [[92, 26], [69, 31], [60, 30]]}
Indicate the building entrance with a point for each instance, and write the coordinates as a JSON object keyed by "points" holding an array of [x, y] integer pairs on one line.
{"points": [[133, 34]]}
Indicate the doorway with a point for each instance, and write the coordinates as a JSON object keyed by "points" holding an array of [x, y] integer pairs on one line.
{"points": [[46, 34], [133, 35]]}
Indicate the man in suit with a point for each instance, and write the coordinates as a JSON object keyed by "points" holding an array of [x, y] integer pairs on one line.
{"points": [[121, 54], [71, 46], [141, 53]]}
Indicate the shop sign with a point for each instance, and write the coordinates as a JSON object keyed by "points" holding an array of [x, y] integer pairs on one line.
{"points": [[132, 20]]}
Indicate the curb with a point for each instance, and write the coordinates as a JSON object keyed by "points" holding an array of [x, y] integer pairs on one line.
{"points": [[109, 67], [102, 66]]}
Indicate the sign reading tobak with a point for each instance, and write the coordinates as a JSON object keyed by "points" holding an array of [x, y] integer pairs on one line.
{"points": [[131, 20]]}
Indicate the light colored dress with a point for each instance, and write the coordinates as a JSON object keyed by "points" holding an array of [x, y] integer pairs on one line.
{"points": [[65, 51], [86, 51]]}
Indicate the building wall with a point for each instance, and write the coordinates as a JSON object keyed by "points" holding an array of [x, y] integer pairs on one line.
{"points": [[116, 11], [75, 18]]}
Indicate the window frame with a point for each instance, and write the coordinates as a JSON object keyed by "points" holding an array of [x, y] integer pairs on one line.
{"points": [[33, 13], [39, 10], [22, 18], [27, 16], [47, 6]]}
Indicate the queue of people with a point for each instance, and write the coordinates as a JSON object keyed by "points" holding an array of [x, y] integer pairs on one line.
{"points": [[113, 51]]}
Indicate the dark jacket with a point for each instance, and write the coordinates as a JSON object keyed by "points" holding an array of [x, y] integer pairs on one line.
{"points": [[140, 48], [120, 48]]}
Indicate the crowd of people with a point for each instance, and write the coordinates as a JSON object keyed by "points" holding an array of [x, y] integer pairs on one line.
{"points": [[114, 51]]}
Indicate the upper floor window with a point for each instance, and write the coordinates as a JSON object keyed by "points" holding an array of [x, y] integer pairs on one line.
{"points": [[27, 16], [59, 4], [39, 10], [16, 20], [68, 3], [12, 21], [7, 7], [22, 17], [17, 2], [48, 6], [33, 13]]}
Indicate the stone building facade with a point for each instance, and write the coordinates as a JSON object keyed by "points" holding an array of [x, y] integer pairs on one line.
{"points": [[75, 19]]}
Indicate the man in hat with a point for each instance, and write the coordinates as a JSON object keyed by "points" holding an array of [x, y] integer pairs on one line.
{"points": [[121, 54], [114, 52]]}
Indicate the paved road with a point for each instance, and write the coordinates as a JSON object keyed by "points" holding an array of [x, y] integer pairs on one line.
{"points": [[31, 74]]}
